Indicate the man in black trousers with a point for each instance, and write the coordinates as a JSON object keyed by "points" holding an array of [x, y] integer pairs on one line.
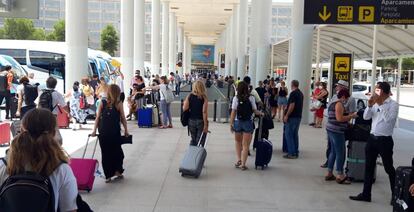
{"points": [[384, 113]]}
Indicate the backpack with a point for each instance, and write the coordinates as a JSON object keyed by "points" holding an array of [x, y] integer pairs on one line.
{"points": [[168, 95], [35, 190], [46, 100], [3, 82], [244, 109], [30, 94]]}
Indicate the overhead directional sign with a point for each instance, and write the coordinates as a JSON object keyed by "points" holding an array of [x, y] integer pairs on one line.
{"points": [[359, 12]]}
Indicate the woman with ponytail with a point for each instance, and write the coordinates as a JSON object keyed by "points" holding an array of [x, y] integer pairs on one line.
{"points": [[35, 150]]}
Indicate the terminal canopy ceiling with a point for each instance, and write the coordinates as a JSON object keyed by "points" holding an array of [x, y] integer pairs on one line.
{"points": [[203, 20], [393, 41]]}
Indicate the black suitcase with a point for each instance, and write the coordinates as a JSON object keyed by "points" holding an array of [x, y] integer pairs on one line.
{"points": [[265, 135], [15, 127], [402, 199], [355, 163], [264, 149]]}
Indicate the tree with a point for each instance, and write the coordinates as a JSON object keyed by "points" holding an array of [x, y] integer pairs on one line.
{"points": [[408, 64], [58, 33], [18, 29], [388, 64], [109, 39], [21, 29], [2, 33]]}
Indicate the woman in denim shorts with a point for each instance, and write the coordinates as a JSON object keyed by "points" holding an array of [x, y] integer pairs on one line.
{"points": [[241, 122]]}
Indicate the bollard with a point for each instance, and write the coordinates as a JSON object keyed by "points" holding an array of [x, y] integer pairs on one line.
{"points": [[215, 110], [181, 108]]}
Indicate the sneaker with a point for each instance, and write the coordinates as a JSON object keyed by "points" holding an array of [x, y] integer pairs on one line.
{"points": [[290, 156], [312, 124], [360, 197]]}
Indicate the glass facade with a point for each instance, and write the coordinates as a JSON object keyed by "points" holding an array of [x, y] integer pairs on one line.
{"points": [[104, 12]]}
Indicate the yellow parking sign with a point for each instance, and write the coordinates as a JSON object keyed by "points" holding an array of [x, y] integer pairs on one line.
{"points": [[366, 14]]}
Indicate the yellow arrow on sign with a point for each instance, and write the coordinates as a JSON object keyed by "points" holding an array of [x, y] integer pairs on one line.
{"points": [[325, 15]]}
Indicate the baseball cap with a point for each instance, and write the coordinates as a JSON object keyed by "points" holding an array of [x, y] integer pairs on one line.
{"points": [[343, 83]]}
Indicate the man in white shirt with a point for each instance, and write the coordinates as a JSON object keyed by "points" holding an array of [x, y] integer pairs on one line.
{"points": [[384, 113]]}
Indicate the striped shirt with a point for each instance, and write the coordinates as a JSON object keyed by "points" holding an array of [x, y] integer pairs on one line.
{"points": [[334, 125]]}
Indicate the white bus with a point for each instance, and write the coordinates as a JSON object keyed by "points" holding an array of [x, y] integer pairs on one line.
{"points": [[47, 58]]}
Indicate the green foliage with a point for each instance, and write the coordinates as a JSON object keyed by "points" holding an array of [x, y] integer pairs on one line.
{"points": [[408, 64], [19, 29], [109, 39], [38, 34], [58, 33], [2, 33], [388, 64]]}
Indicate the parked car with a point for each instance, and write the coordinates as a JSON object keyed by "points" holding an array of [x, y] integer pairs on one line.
{"points": [[361, 92]]}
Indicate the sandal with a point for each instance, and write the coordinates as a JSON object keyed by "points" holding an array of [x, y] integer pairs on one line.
{"points": [[344, 181], [162, 127], [330, 178], [243, 168], [238, 164]]}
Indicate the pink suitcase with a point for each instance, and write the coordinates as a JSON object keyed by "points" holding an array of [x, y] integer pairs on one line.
{"points": [[84, 169], [4, 134]]}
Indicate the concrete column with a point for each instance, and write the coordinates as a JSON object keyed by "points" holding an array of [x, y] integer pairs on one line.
{"points": [[188, 56], [374, 57], [253, 41], [243, 17], [409, 77], [400, 62], [234, 40], [227, 58], [77, 41], [318, 55], [360, 75], [165, 36], [127, 40], [263, 39], [155, 37], [185, 68], [173, 42], [301, 55], [180, 47], [139, 32]]}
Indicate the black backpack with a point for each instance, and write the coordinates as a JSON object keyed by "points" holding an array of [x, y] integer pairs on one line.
{"points": [[3, 82], [35, 190], [244, 109], [30, 93], [46, 100]]}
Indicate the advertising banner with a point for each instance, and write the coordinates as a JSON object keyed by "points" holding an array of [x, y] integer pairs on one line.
{"points": [[202, 54]]}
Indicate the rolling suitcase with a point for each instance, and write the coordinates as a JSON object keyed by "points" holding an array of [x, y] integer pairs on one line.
{"points": [[13, 106], [194, 157], [264, 149], [84, 169], [15, 127], [402, 199], [145, 117], [355, 164], [4, 134], [62, 118]]}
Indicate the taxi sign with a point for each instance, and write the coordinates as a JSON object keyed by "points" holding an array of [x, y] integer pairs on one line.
{"points": [[359, 12], [342, 68]]}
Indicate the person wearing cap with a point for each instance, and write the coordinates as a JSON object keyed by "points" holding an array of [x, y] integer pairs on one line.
{"points": [[384, 113], [350, 106]]}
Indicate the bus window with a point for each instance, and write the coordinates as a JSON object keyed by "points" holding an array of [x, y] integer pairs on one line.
{"points": [[18, 54], [17, 68], [93, 67], [53, 62]]}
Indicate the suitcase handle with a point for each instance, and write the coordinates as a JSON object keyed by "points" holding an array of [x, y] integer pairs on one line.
{"points": [[259, 136], [203, 134], [86, 146]]}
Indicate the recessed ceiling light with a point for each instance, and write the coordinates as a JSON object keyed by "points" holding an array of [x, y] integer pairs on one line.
{"points": [[222, 24], [227, 9], [175, 8]]}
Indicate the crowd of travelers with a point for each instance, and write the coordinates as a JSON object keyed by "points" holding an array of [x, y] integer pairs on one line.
{"points": [[38, 110]]}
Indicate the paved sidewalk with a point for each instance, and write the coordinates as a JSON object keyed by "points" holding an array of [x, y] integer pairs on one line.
{"points": [[152, 181]]}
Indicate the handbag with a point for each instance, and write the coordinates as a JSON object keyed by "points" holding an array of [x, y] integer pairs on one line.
{"points": [[126, 139], [316, 104], [185, 118]]}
